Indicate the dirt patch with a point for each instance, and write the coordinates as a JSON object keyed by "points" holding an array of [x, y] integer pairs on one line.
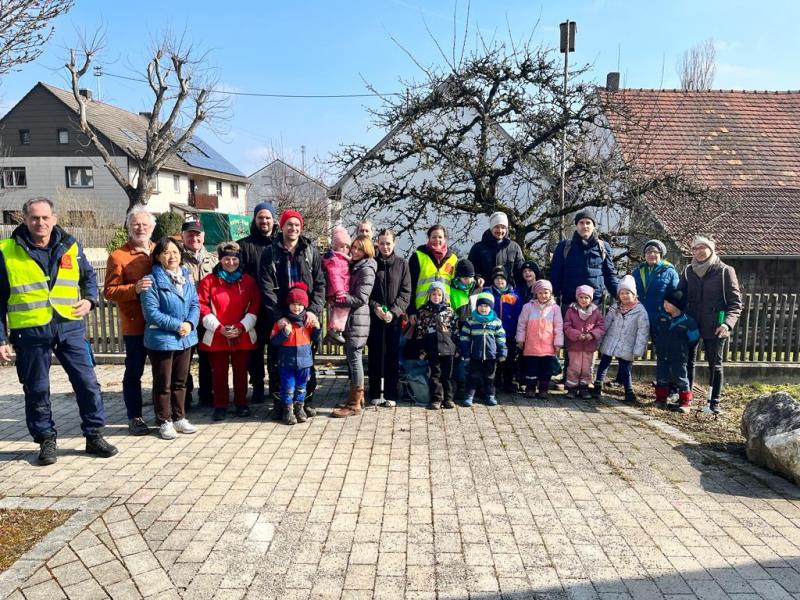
{"points": [[722, 432], [21, 529]]}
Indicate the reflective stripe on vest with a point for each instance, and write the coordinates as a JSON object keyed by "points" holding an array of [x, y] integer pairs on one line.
{"points": [[31, 301], [428, 273]]}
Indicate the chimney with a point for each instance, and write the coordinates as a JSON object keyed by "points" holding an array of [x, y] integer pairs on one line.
{"points": [[86, 93], [612, 82], [146, 115]]}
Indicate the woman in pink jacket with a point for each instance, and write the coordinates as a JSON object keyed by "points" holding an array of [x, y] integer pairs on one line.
{"points": [[540, 336], [584, 327]]}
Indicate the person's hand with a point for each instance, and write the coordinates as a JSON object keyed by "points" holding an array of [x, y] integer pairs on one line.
{"points": [[287, 327], [231, 332], [501, 359], [722, 331], [479, 282], [520, 345], [379, 312], [388, 316], [422, 355], [81, 308], [558, 349], [6, 353], [143, 284], [185, 329], [412, 319], [311, 319]]}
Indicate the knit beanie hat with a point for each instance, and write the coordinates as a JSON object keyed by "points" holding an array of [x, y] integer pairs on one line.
{"points": [[584, 290], [465, 268], [701, 240], [677, 298], [289, 214], [485, 298], [499, 271], [533, 266], [542, 284], [298, 294], [264, 205], [498, 218], [436, 285], [658, 244], [627, 283], [340, 237], [585, 214]]}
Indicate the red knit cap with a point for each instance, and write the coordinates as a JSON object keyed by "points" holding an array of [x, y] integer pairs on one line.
{"points": [[288, 214], [298, 294]]}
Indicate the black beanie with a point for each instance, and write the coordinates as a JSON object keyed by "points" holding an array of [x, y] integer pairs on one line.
{"points": [[464, 268], [677, 298]]}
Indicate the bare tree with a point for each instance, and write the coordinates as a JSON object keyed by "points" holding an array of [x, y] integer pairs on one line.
{"points": [[25, 28], [183, 98], [696, 67]]}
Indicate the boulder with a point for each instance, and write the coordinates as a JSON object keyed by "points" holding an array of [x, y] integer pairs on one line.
{"points": [[771, 425]]}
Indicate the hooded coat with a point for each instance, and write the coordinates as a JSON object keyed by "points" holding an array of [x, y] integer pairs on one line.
{"points": [[252, 247], [574, 326], [165, 310], [362, 280], [626, 334], [488, 253], [652, 285]]}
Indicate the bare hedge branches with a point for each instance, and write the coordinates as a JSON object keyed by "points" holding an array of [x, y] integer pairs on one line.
{"points": [[25, 28], [697, 67]]}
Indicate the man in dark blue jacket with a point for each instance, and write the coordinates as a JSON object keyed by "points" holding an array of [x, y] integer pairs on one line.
{"points": [[46, 288]]}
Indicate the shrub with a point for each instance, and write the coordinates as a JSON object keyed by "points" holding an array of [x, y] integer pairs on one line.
{"points": [[167, 224], [118, 238]]}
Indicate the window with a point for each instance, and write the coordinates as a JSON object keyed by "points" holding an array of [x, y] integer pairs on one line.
{"points": [[80, 177], [234, 190], [14, 177], [12, 217], [176, 183], [219, 188], [25, 136], [63, 136]]}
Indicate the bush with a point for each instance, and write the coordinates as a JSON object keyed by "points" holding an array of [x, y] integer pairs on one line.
{"points": [[167, 224], [118, 238]]}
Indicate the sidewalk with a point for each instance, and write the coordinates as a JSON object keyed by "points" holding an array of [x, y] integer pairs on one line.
{"points": [[562, 499]]}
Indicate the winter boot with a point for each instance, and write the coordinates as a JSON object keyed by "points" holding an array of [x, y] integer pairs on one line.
{"points": [[276, 413], [597, 389], [583, 392], [299, 413], [288, 415], [354, 403], [543, 394], [661, 396], [713, 405], [308, 405], [530, 391], [685, 399], [630, 397], [572, 392]]}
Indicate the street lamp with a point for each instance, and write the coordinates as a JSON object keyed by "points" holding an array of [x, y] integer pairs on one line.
{"points": [[568, 29]]}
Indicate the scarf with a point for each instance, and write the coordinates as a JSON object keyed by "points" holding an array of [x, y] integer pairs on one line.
{"points": [[459, 285], [478, 317], [588, 243], [230, 277], [436, 308], [626, 309], [701, 268], [584, 313], [177, 279], [297, 319], [501, 290], [437, 254]]}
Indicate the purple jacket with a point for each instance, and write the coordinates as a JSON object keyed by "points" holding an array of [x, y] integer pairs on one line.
{"points": [[574, 326]]}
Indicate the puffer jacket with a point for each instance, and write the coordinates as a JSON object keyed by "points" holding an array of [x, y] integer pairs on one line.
{"points": [[483, 341], [626, 334], [489, 253], [717, 292], [574, 326], [165, 311], [223, 303], [294, 349], [507, 306], [583, 265], [392, 285], [651, 286], [362, 279], [674, 336], [437, 328], [540, 329], [337, 273]]}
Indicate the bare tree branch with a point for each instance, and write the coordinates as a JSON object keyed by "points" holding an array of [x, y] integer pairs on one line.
{"points": [[697, 67], [25, 28]]}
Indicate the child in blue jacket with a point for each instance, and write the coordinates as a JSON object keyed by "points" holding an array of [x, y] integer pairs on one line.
{"points": [[507, 306], [675, 332], [483, 345]]}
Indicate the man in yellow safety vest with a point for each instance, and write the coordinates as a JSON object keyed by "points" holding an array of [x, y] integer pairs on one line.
{"points": [[46, 288]]}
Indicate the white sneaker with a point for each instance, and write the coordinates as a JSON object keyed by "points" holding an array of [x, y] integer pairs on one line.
{"points": [[183, 426], [167, 431]]}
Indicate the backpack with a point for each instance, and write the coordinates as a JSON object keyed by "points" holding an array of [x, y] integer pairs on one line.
{"points": [[413, 382], [600, 244]]}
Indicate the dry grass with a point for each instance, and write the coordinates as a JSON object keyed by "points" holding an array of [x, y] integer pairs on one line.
{"points": [[21, 529]]}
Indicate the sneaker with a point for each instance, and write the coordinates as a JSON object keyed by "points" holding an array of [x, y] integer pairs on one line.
{"points": [[468, 399], [288, 416], [167, 431], [491, 400], [449, 403], [434, 406], [138, 426], [299, 412], [242, 411], [219, 414], [183, 426], [389, 403], [98, 446], [714, 406], [47, 451]]}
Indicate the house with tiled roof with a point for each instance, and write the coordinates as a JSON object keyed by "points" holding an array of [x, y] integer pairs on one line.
{"points": [[45, 154], [742, 148]]}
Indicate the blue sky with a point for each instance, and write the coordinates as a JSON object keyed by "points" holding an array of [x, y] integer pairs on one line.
{"points": [[323, 47]]}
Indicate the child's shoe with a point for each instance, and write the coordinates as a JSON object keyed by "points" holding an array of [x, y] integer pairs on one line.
{"points": [[335, 337], [597, 389], [469, 398], [491, 400], [530, 391], [661, 396], [583, 391], [448, 403], [299, 412], [685, 401], [572, 393], [434, 405], [288, 415], [543, 388], [630, 397]]}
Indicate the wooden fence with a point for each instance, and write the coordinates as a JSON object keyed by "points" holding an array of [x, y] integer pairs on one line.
{"points": [[768, 330]]}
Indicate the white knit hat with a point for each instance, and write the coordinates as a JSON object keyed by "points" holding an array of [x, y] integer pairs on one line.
{"points": [[627, 283], [498, 218], [701, 240]]}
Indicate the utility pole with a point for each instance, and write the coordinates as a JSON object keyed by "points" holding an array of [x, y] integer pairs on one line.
{"points": [[568, 29], [98, 72]]}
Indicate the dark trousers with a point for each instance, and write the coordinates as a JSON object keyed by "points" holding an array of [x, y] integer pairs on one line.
{"points": [[623, 372], [33, 369], [135, 357], [205, 391], [170, 371], [383, 358], [671, 370], [255, 365], [538, 369], [219, 368], [482, 373], [507, 371], [713, 348], [441, 377]]}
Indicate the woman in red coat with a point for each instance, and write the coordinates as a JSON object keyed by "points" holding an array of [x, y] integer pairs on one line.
{"points": [[229, 302]]}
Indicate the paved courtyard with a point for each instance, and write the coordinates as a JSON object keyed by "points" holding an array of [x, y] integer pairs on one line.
{"points": [[563, 499]]}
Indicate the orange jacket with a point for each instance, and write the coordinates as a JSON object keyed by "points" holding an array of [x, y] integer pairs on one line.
{"points": [[124, 268]]}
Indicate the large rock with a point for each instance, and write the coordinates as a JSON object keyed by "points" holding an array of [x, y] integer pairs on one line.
{"points": [[771, 424]]}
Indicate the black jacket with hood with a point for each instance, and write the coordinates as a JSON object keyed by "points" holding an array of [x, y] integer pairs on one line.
{"points": [[490, 253], [252, 247]]}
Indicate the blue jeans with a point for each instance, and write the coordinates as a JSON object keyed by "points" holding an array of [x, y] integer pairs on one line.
{"points": [[671, 371], [623, 373], [293, 384], [135, 358]]}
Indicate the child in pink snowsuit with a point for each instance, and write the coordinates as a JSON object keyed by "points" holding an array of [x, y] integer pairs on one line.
{"points": [[584, 327], [336, 263]]}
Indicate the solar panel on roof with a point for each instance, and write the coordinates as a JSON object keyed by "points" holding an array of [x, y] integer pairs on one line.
{"points": [[199, 154]]}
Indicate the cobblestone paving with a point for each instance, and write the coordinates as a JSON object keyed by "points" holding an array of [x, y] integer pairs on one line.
{"points": [[563, 499]]}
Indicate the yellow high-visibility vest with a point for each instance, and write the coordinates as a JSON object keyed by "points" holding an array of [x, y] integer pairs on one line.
{"points": [[428, 273], [31, 302]]}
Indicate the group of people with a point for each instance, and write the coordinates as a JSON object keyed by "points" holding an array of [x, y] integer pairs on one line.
{"points": [[483, 322]]}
